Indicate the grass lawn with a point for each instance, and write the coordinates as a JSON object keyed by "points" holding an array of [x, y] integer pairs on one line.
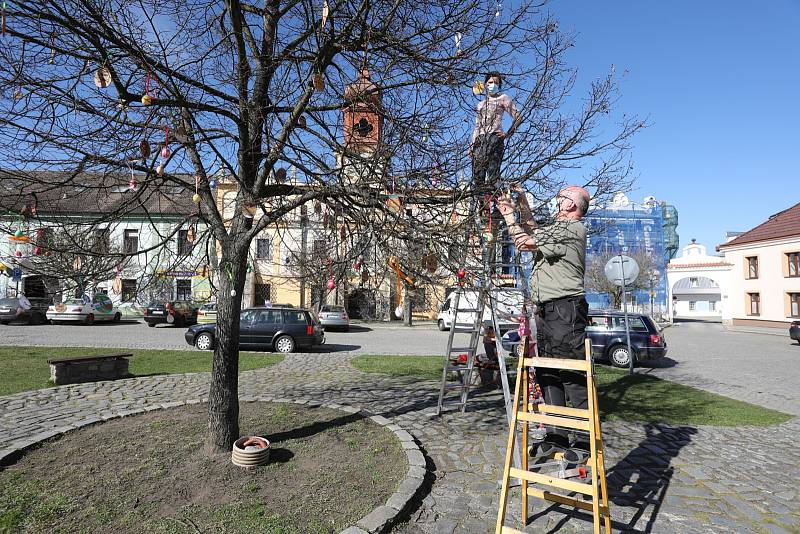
{"points": [[26, 368], [630, 398]]}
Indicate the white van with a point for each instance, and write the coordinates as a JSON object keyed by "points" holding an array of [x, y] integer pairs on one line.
{"points": [[508, 301]]}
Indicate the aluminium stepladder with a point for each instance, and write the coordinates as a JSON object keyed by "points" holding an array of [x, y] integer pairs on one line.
{"points": [[587, 420]]}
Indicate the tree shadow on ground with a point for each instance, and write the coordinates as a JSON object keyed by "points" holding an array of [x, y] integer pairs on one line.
{"points": [[661, 363], [312, 429]]}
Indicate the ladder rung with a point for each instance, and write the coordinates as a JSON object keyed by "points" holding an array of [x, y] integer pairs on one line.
{"points": [[557, 363], [462, 349], [560, 410], [568, 485], [563, 499], [555, 420], [467, 310], [463, 329]]}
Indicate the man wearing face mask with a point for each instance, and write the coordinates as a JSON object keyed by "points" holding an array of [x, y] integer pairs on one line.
{"points": [[488, 137]]}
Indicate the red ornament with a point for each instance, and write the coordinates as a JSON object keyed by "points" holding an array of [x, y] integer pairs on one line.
{"points": [[37, 251], [331, 284], [462, 273]]}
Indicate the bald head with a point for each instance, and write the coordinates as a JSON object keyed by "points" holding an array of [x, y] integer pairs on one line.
{"points": [[580, 200]]}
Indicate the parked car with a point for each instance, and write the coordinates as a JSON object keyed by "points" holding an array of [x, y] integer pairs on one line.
{"points": [[31, 311], [606, 330], [334, 317], [280, 329], [207, 314], [508, 301], [86, 310], [794, 331], [174, 312]]}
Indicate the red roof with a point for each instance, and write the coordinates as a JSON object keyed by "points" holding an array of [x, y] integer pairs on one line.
{"points": [[783, 224]]}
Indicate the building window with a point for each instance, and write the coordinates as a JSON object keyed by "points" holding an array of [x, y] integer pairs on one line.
{"points": [[183, 289], [712, 305], [794, 304], [692, 305], [184, 245], [752, 267], [263, 294], [755, 303], [694, 282], [263, 249], [128, 289], [794, 263], [130, 242]]}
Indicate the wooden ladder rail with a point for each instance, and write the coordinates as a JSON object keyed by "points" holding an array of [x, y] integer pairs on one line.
{"points": [[587, 420]]}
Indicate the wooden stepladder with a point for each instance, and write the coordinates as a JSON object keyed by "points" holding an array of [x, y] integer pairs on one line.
{"points": [[546, 486]]}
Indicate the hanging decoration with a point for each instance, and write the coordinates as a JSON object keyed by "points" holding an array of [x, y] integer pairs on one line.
{"points": [[144, 148], [461, 274], [326, 10], [18, 94], [319, 82], [3, 17], [478, 88], [498, 9], [165, 151], [426, 132], [359, 262], [102, 77], [147, 99], [132, 183], [196, 197], [280, 175], [331, 285], [457, 38], [116, 285]]}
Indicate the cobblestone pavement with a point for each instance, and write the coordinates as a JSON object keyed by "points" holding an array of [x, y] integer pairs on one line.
{"points": [[757, 368], [661, 478]]}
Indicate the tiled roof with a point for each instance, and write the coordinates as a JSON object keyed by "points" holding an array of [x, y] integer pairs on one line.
{"points": [[55, 193], [783, 224]]}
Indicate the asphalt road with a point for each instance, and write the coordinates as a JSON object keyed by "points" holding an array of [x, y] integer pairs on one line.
{"points": [[757, 368]]}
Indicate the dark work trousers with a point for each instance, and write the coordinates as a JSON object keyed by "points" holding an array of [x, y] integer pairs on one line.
{"points": [[487, 156], [561, 334]]}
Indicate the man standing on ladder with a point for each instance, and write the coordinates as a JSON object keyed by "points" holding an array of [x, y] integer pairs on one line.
{"points": [[557, 288]]}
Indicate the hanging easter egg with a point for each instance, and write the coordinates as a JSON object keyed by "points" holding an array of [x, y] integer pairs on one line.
{"points": [[166, 152], [398, 311], [133, 184], [488, 237], [102, 77], [233, 292], [144, 148], [357, 266], [146, 100], [18, 253], [160, 169], [18, 94], [116, 285], [319, 82], [37, 251], [331, 284], [212, 184], [461, 273], [196, 198], [280, 175], [478, 87], [19, 233]]}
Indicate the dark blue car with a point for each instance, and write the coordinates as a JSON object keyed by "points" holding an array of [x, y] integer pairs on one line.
{"points": [[606, 330], [274, 328]]}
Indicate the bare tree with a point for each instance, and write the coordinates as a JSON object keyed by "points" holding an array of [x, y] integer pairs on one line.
{"points": [[186, 93], [597, 282]]}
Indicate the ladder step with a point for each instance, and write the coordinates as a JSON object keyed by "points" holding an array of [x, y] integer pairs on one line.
{"points": [[462, 349], [468, 310], [463, 329], [561, 410], [563, 499], [555, 420], [568, 485], [557, 363]]}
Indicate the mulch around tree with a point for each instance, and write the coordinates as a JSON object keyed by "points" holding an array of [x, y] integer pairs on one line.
{"points": [[148, 473]]}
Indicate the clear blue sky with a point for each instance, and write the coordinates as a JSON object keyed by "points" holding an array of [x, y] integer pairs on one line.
{"points": [[720, 82]]}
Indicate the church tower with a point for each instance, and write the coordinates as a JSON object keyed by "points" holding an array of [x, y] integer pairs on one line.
{"points": [[361, 160]]}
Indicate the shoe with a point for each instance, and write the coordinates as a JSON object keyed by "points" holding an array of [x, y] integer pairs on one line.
{"points": [[546, 448], [578, 453]]}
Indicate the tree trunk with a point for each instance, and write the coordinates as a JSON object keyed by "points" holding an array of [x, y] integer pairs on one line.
{"points": [[223, 397], [408, 307]]}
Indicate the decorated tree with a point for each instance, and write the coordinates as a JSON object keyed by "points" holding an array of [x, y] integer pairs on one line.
{"points": [[368, 104], [597, 281]]}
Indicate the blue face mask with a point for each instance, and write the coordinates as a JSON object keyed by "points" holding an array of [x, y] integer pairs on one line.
{"points": [[492, 88]]}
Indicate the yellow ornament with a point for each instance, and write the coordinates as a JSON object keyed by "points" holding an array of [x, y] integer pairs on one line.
{"points": [[196, 198], [478, 88], [146, 100], [160, 169]]}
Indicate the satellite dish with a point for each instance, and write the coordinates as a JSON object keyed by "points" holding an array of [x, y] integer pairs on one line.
{"points": [[621, 270]]}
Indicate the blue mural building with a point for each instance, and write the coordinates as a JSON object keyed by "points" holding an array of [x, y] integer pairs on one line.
{"points": [[625, 227]]}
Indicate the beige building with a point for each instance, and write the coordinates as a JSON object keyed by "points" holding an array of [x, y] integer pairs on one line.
{"points": [[764, 284]]}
